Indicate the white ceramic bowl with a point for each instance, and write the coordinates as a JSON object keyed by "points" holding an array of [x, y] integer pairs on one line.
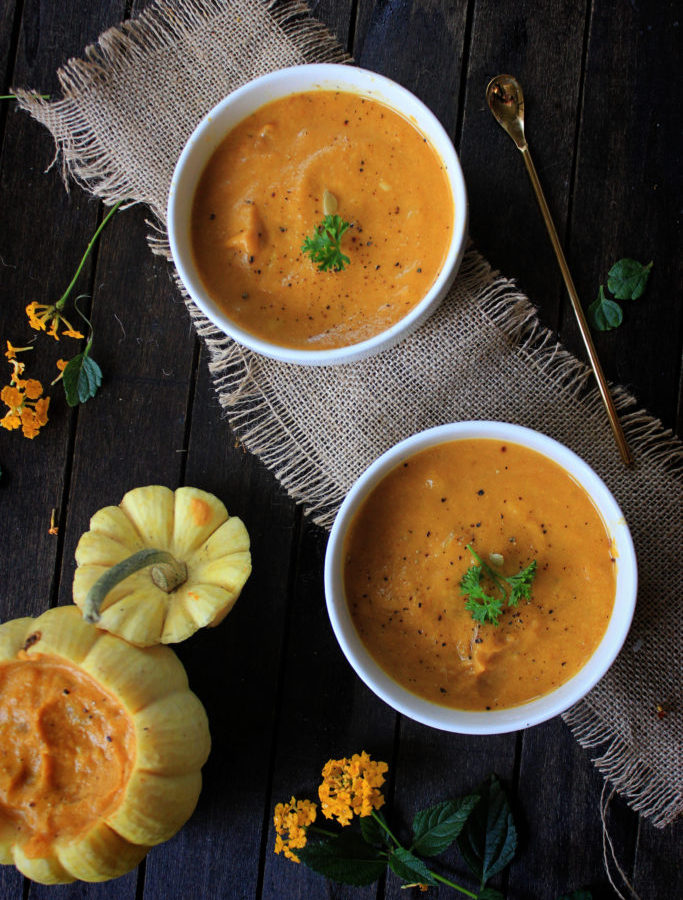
{"points": [[494, 721], [246, 100]]}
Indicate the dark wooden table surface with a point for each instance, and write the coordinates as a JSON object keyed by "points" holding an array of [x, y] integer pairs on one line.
{"points": [[603, 118]]}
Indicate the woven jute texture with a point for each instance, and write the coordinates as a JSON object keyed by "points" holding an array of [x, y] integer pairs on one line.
{"points": [[127, 109]]}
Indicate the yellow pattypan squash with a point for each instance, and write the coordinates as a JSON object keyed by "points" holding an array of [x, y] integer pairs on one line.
{"points": [[102, 748], [161, 565]]}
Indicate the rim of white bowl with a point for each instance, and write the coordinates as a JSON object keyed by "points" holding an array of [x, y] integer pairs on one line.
{"points": [[233, 109], [517, 717]]}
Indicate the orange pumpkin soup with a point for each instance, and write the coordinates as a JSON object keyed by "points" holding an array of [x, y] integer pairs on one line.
{"points": [[67, 749], [262, 194], [406, 554]]}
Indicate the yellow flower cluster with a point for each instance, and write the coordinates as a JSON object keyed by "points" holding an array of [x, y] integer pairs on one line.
{"points": [[351, 787], [291, 820], [27, 408], [40, 314]]}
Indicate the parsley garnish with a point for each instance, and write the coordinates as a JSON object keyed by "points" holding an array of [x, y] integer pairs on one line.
{"points": [[324, 246], [512, 588]]}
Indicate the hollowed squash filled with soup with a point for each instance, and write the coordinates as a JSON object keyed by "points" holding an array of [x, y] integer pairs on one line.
{"points": [[267, 189], [502, 509]]}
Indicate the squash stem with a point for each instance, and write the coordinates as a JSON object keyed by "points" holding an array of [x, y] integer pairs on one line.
{"points": [[167, 573]]}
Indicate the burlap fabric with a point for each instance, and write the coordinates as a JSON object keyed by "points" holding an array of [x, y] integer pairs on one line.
{"points": [[126, 112]]}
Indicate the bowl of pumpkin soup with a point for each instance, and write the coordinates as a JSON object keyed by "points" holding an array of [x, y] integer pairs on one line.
{"points": [[480, 577], [318, 214]]}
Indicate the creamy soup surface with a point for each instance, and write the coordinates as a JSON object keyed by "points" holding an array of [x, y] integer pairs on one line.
{"points": [[261, 196], [68, 748], [406, 554]]}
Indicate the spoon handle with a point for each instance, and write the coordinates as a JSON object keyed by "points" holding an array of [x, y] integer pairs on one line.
{"points": [[617, 430]]}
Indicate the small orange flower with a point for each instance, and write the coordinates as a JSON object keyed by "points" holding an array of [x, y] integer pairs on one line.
{"points": [[11, 397], [40, 314], [10, 421], [62, 364], [71, 332], [41, 410], [291, 821], [351, 787], [12, 351], [33, 388], [27, 408]]}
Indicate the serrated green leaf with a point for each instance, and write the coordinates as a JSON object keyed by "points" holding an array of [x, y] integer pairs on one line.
{"points": [[490, 894], [577, 895], [409, 867], [604, 314], [435, 829], [82, 377], [346, 858], [627, 279], [372, 831], [489, 839]]}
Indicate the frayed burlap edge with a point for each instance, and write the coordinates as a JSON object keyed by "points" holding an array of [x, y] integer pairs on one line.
{"points": [[158, 27], [645, 791]]}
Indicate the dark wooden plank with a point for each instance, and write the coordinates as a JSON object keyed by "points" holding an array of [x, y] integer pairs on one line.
{"points": [[235, 670], [337, 16], [659, 860], [37, 264], [326, 712], [542, 46], [628, 193], [560, 830], [420, 45]]}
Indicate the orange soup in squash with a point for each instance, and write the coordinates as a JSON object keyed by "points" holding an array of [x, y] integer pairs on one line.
{"points": [[406, 554], [262, 194], [67, 749]]}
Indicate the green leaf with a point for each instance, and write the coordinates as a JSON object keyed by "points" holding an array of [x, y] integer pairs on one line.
{"points": [[82, 377], [490, 894], [627, 279], [436, 828], [372, 831], [346, 858], [489, 839], [409, 867], [604, 314], [577, 895], [324, 246], [520, 584]]}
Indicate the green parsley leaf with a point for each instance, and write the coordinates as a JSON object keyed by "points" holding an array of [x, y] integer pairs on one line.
{"points": [[435, 829], [484, 608], [324, 246], [627, 279], [82, 377], [488, 841], [512, 588], [410, 868], [346, 858], [604, 314], [520, 584]]}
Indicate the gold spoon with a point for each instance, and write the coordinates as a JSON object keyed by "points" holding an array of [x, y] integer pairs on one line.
{"points": [[506, 100]]}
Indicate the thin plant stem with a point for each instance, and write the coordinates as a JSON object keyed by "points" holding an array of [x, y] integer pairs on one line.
{"points": [[62, 300], [319, 830], [452, 884], [385, 827]]}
